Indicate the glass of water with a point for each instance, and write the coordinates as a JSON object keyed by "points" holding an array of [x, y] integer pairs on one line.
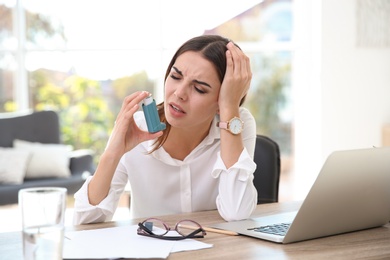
{"points": [[43, 213]]}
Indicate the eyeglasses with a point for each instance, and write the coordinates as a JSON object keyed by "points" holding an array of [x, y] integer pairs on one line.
{"points": [[154, 227]]}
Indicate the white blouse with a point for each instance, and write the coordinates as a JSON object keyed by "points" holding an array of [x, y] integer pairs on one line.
{"points": [[162, 185]]}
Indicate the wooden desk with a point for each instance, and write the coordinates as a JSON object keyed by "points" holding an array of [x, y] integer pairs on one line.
{"points": [[371, 243]]}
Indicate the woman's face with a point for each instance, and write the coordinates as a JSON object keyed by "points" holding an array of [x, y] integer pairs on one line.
{"points": [[191, 92]]}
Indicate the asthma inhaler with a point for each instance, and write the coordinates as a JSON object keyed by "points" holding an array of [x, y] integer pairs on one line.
{"points": [[151, 115]]}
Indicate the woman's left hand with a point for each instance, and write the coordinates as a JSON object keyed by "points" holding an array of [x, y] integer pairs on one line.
{"points": [[237, 78]]}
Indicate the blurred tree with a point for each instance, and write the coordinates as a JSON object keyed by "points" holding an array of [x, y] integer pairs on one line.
{"points": [[38, 27], [85, 117], [36, 24], [268, 98], [127, 85]]}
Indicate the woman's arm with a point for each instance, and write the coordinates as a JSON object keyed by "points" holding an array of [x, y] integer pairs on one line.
{"points": [[237, 195], [125, 136], [233, 89]]}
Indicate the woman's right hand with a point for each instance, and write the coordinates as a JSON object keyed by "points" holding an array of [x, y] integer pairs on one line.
{"points": [[126, 134]]}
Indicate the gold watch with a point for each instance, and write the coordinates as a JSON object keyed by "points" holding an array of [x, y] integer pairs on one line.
{"points": [[234, 125]]}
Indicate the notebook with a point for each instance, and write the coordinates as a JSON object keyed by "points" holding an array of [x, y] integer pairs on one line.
{"points": [[351, 192]]}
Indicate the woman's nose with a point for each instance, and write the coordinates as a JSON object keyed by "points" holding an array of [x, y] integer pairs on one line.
{"points": [[180, 92]]}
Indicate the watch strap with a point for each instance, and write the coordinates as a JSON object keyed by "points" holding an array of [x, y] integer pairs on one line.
{"points": [[223, 125]]}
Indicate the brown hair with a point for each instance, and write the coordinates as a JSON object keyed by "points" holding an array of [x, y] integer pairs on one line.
{"points": [[213, 48]]}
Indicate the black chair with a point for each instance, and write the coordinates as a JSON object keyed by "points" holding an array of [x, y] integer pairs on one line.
{"points": [[267, 174]]}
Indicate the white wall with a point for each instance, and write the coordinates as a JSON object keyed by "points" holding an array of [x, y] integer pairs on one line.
{"points": [[355, 82], [342, 91]]}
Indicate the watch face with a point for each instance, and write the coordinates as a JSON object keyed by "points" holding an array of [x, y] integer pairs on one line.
{"points": [[235, 126]]}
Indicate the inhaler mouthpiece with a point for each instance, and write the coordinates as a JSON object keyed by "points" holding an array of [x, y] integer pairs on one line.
{"points": [[148, 100]]}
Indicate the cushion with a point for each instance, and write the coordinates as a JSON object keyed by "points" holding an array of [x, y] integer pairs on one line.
{"points": [[13, 164], [47, 160]]}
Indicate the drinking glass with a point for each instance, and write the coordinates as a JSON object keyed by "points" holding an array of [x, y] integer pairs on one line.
{"points": [[43, 213]]}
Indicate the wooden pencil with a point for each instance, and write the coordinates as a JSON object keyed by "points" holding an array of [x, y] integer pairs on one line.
{"points": [[213, 230]]}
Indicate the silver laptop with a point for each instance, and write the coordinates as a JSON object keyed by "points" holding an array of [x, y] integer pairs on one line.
{"points": [[351, 192]]}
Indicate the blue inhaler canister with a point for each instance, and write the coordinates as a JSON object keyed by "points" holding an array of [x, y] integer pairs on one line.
{"points": [[151, 115]]}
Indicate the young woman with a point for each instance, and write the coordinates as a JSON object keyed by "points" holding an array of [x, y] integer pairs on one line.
{"points": [[203, 160]]}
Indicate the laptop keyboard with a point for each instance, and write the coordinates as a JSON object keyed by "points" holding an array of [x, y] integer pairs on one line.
{"points": [[276, 229]]}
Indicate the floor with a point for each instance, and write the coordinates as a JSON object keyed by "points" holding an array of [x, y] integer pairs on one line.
{"points": [[10, 219]]}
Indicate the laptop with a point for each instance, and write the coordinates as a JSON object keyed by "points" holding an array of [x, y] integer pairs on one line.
{"points": [[351, 192]]}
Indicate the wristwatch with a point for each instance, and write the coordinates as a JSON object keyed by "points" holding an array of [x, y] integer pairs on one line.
{"points": [[234, 125]]}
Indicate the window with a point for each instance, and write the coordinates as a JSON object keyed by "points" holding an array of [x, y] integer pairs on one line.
{"points": [[8, 59], [81, 58], [265, 32]]}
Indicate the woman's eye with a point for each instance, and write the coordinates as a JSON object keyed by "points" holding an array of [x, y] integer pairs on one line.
{"points": [[199, 90], [174, 77]]}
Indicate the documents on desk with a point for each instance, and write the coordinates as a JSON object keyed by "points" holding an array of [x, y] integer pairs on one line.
{"points": [[122, 242]]}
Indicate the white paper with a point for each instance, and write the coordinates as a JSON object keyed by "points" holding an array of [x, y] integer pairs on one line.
{"points": [[188, 245], [122, 242]]}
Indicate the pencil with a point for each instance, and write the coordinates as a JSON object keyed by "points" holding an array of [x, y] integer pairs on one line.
{"points": [[213, 230]]}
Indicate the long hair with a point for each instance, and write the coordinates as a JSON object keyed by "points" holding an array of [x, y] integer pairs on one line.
{"points": [[212, 48]]}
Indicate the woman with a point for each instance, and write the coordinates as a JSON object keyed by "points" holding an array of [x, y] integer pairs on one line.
{"points": [[194, 164]]}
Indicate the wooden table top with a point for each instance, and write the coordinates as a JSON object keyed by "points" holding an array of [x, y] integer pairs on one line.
{"points": [[371, 243]]}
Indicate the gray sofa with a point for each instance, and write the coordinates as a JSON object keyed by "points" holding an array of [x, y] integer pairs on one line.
{"points": [[42, 127]]}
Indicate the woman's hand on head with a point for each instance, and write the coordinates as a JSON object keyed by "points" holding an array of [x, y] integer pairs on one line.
{"points": [[126, 134], [237, 77]]}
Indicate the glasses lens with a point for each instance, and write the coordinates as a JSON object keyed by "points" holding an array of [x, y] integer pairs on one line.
{"points": [[186, 227], [156, 226]]}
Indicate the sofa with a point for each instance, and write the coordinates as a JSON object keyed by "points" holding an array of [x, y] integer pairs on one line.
{"points": [[32, 155]]}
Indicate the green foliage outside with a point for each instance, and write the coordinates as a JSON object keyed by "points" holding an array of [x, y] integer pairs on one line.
{"points": [[87, 108], [87, 114], [85, 117], [125, 86], [268, 97]]}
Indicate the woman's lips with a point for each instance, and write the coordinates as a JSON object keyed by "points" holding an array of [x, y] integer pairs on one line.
{"points": [[176, 110]]}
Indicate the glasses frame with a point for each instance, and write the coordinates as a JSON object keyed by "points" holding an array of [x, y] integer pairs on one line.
{"points": [[145, 231]]}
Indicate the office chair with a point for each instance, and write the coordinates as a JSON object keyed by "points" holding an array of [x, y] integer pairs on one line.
{"points": [[267, 174]]}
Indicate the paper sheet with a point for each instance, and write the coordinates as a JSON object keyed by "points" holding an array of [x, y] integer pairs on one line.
{"points": [[122, 242]]}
